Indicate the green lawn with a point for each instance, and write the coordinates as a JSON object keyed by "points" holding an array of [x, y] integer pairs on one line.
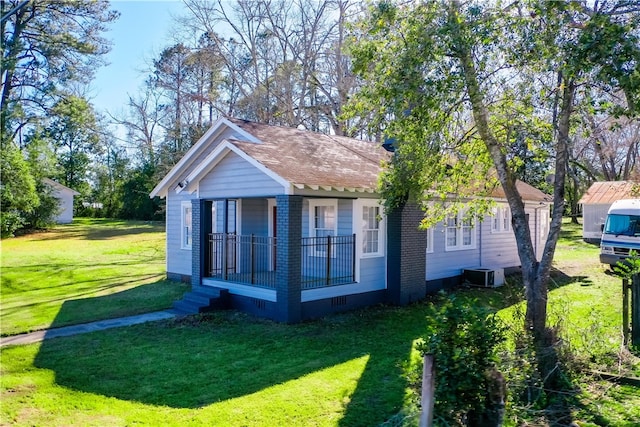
{"points": [[230, 369], [89, 270]]}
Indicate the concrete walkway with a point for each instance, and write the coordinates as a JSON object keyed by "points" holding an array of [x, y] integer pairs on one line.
{"points": [[85, 327]]}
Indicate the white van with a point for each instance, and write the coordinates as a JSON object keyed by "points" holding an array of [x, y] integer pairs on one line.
{"points": [[621, 231]]}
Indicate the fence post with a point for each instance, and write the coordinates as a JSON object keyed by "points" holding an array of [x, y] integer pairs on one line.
{"points": [[225, 253], [428, 391], [328, 278], [353, 258], [635, 310], [625, 312], [252, 260]]}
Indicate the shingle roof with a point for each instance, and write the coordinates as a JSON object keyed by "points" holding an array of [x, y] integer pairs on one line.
{"points": [[607, 192], [314, 159], [528, 192], [301, 158]]}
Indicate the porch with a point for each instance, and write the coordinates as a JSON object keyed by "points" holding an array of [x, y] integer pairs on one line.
{"points": [[252, 260]]}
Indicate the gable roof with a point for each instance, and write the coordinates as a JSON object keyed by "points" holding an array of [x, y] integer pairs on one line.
{"points": [[309, 159], [295, 158], [57, 186], [527, 191], [607, 192]]}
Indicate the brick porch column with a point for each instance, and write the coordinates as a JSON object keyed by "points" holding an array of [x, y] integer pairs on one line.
{"points": [[198, 241], [406, 255], [289, 257]]}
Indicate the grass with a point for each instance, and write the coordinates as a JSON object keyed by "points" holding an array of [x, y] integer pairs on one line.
{"points": [[228, 368], [89, 270]]}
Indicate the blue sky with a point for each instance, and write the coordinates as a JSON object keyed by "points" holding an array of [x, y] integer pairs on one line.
{"points": [[141, 32]]}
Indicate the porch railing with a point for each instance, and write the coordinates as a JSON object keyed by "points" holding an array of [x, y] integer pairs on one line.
{"points": [[328, 261], [249, 259]]}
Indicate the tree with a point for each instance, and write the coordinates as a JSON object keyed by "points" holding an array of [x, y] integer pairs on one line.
{"points": [[442, 78], [45, 46], [74, 136], [283, 61], [18, 196], [143, 122]]}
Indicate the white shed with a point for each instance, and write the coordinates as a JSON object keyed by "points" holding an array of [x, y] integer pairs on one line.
{"points": [[596, 202], [65, 196]]}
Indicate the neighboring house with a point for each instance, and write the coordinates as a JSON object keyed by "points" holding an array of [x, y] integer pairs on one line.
{"points": [[65, 198], [288, 223], [597, 201]]}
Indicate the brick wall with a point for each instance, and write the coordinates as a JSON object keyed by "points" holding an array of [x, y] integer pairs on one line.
{"points": [[406, 255], [289, 230], [196, 242]]}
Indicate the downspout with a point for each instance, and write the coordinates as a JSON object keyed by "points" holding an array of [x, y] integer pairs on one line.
{"points": [[480, 245], [535, 231]]}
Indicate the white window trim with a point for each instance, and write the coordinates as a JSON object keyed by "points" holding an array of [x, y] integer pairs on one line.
{"points": [[313, 203], [504, 223], [357, 227], [184, 205], [430, 234], [459, 234]]}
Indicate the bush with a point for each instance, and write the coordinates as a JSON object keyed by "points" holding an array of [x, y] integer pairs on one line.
{"points": [[463, 338]]}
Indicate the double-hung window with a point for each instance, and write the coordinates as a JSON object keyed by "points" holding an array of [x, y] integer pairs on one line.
{"points": [[460, 232], [372, 237], [323, 221], [501, 219], [187, 229]]}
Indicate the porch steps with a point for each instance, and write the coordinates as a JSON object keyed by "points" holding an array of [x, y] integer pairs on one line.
{"points": [[201, 299]]}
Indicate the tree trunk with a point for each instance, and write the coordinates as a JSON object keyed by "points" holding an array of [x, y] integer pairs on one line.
{"points": [[535, 274]]}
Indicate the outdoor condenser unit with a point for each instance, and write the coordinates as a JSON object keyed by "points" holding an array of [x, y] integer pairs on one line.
{"points": [[484, 277]]}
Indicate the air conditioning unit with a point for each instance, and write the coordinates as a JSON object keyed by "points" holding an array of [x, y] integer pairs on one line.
{"points": [[484, 277]]}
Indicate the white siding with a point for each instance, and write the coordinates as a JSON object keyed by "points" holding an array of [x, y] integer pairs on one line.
{"points": [[593, 216], [498, 250], [442, 264], [178, 260], [65, 197], [234, 177], [493, 250]]}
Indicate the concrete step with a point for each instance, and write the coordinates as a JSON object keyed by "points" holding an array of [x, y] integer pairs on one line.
{"points": [[202, 299]]}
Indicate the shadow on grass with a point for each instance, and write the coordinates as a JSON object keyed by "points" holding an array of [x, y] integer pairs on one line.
{"points": [[200, 360], [101, 232], [139, 299]]}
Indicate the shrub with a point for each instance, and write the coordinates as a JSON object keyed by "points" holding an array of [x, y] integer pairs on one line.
{"points": [[463, 338]]}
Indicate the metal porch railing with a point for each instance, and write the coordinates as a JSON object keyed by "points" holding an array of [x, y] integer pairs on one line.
{"points": [[249, 259]]}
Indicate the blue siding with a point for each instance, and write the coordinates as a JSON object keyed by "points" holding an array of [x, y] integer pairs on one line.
{"points": [[493, 250], [178, 260], [345, 217], [441, 264], [234, 177], [255, 217], [373, 271]]}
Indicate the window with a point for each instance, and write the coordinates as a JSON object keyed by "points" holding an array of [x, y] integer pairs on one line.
{"points": [[501, 219], [430, 240], [323, 221], [460, 233], [371, 236], [187, 230]]}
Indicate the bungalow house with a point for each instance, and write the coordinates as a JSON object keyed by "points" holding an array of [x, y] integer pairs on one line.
{"points": [[597, 201], [287, 224], [65, 199]]}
